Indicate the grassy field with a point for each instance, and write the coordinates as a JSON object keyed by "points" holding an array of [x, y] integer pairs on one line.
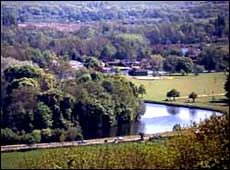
{"points": [[59, 157], [204, 84], [13, 160]]}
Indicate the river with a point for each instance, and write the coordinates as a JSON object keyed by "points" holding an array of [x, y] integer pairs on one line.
{"points": [[157, 118]]}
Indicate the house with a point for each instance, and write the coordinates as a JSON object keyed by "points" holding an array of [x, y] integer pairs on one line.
{"points": [[76, 64]]}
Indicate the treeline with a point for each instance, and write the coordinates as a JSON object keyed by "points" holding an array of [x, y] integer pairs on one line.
{"points": [[41, 45], [116, 40], [38, 108]]}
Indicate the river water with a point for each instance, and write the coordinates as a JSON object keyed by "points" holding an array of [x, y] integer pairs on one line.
{"points": [[157, 118]]}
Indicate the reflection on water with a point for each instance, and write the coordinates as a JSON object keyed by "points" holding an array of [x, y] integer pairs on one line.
{"points": [[172, 115], [173, 110], [157, 118]]}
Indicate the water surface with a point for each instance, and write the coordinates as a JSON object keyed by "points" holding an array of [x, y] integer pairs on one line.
{"points": [[157, 118]]}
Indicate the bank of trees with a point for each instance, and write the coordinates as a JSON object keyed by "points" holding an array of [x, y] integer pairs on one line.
{"points": [[36, 108]]}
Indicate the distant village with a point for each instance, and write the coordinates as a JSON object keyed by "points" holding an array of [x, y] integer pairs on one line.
{"points": [[134, 68]]}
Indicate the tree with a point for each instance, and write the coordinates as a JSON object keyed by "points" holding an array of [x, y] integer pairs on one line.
{"points": [[19, 110], [42, 116], [8, 137], [108, 52], [173, 93], [92, 63], [176, 64], [17, 72], [170, 63], [213, 59], [156, 62], [184, 63], [52, 98], [73, 133], [227, 87], [193, 96], [46, 135], [9, 18], [176, 127], [141, 90], [198, 69]]}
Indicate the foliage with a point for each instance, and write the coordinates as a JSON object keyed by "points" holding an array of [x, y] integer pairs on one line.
{"points": [[156, 62], [42, 116], [8, 137], [193, 96], [92, 63], [176, 127], [141, 90], [176, 64], [173, 93], [17, 72], [214, 59], [227, 87]]}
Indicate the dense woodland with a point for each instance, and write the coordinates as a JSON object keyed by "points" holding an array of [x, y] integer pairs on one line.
{"points": [[44, 99]]}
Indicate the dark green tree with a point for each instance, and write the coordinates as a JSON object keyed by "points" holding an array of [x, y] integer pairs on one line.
{"points": [[193, 96], [173, 93], [141, 90], [42, 116]]}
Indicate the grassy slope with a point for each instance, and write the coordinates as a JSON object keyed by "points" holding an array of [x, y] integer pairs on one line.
{"points": [[204, 84], [98, 156], [12, 160]]}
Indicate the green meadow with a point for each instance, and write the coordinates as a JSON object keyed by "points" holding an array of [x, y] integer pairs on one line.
{"points": [[211, 85]]}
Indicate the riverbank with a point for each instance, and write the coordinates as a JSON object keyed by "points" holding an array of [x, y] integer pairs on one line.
{"points": [[183, 105]]}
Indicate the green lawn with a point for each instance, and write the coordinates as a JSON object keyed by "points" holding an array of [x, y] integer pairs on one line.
{"points": [[12, 160], [203, 84]]}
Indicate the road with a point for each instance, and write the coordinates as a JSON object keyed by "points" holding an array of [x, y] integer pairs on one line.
{"points": [[134, 138]]}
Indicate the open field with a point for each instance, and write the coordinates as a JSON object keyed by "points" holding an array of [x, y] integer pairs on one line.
{"points": [[210, 85], [84, 157], [12, 160]]}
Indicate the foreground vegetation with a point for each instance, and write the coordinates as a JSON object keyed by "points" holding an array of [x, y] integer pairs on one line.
{"points": [[202, 146], [204, 84]]}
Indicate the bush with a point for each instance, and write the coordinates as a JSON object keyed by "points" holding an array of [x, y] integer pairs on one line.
{"points": [[36, 134], [28, 138], [176, 127], [203, 146], [73, 133], [9, 137], [46, 135]]}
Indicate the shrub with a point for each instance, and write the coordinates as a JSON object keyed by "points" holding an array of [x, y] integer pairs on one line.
{"points": [[8, 137], [176, 127]]}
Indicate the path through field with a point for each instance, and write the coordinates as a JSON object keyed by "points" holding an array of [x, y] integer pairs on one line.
{"points": [[203, 95]]}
